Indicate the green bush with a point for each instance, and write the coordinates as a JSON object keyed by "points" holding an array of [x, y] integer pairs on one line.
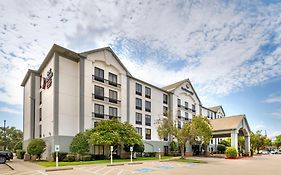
{"points": [[231, 152], [86, 157], [18, 146], [137, 148], [20, 154], [36, 147], [174, 146], [150, 154], [70, 157], [79, 144], [61, 155], [221, 148]]}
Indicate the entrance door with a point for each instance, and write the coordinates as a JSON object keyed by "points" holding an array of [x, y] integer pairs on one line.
{"points": [[166, 150], [196, 150]]}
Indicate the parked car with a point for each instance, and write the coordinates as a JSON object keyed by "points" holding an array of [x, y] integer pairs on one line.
{"points": [[4, 156], [279, 151], [265, 152], [274, 151]]}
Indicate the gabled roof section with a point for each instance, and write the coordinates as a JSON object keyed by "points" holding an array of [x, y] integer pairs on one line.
{"points": [[173, 86], [228, 123], [111, 51], [55, 49], [216, 108]]}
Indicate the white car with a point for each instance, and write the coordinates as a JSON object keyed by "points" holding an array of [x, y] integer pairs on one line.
{"points": [[275, 151], [265, 152]]}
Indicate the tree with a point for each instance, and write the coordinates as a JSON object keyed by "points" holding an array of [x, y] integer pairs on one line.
{"points": [[259, 141], [114, 133], [36, 147], [79, 144], [277, 141], [14, 138], [226, 142], [196, 130], [136, 148]]}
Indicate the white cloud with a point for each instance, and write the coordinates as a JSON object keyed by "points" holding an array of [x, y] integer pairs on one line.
{"points": [[274, 134], [273, 98], [9, 110], [219, 44], [276, 114]]}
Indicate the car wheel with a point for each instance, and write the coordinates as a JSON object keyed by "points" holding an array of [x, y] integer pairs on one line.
{"points": [[2, 160]]}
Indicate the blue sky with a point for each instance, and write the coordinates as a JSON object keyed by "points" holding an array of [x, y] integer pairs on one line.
{"points": [[230, 50]]}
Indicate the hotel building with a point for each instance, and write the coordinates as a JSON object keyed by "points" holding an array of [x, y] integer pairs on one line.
{"points": [[72, 92]]}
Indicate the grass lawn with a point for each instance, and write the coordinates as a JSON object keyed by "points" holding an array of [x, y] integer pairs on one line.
{"points": [[53, 164]]}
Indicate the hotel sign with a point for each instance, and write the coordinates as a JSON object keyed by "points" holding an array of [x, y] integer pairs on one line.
{"points": [[46, 82], [186, 89]]}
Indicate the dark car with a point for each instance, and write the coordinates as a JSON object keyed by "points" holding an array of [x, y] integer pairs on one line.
{"points": [[4, 156]]}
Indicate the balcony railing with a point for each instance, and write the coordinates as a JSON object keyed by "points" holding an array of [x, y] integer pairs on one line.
{"points": [[139, 122], [186, 108], [101, 79], [106, 99], [105, 116]]}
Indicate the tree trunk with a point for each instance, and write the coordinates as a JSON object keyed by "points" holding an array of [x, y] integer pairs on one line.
{"points": [[182, 151]]}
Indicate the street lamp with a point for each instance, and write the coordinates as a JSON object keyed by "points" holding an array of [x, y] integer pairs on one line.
{"points": [[4, 135]]}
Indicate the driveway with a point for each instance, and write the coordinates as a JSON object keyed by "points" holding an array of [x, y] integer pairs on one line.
{"points": [[260, 165]]}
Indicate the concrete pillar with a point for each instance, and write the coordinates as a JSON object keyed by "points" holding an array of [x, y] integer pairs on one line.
{"points": [[188, 149], [234, 139], [247, 145]]}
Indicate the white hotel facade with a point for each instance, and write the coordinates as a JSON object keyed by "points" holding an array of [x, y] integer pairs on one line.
{"points": [[71, 92]]}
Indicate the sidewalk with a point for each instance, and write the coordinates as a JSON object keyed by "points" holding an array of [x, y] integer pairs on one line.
{"points": [[20, 165]]}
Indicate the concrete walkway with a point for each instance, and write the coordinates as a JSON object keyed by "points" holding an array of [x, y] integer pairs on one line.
{"points": [[20, 165]]}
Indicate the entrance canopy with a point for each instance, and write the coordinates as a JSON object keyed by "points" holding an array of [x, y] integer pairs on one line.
{"points": [[232, 126]]}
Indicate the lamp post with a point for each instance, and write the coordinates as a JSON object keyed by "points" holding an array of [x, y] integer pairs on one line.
{"points": [[4, 129]]}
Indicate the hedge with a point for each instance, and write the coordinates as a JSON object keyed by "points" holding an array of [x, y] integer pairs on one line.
{"points": [[231, 152]]}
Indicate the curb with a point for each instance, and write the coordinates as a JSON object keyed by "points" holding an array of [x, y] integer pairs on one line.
{"points": [[135, 163], [115, 164], [58, 169], [9, 166]]}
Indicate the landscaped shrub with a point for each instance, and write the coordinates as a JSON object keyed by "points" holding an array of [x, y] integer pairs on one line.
{"points": [[70, 157], [136, 148], [150, 154], [79, 144], [221, 148], [86, 157], [36, 147], [61, 155], [20, 154], [98, 157], [231, 152]]}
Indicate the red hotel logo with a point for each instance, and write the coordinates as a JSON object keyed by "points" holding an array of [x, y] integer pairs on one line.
{"points": [[46, 82]]}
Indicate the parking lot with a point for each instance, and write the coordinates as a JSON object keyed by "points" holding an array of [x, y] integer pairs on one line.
{"points": [[260, 165]]}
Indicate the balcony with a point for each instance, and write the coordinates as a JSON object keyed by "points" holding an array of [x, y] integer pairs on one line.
{"points": [[139, 107], [147, 96], [106, 99], [186, 108], [139, 122], [105, 116], [138, 93], [101, 79], [147, 110]]}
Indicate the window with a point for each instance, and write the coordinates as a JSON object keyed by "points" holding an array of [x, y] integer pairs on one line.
{"points": [[147, 120], [148, 134], [193, 108], [147, 92], [112, 79], [138, 89], [179, 113], [40, 131], [139, 130], [165, 99], [40, 98], [138, 103], [99, 92], [40, 114], [186, 114], [179, 102], [99, 111], [99, 74], [112, 96], [138, 118], [186, 105], [212, 141], [165, 110], [147, 106], [179, 124], [112, 112]]}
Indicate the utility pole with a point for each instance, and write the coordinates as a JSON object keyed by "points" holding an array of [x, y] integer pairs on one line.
{"points": [[4, 135]]}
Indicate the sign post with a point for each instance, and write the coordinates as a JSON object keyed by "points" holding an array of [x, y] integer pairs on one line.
{"points": [[159, 150], [57, 149], [131, 149], [111, 150]]}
